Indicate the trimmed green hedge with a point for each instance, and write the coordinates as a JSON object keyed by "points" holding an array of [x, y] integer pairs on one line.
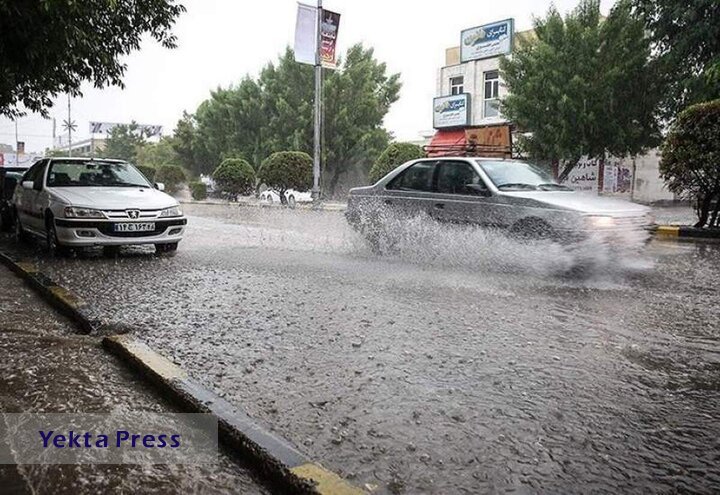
{"points": [[171, 176], [287, 170], [198, 190], [394, 155], [234, 176]]}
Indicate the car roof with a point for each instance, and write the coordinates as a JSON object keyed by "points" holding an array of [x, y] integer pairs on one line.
{"points": [[84, 159]]}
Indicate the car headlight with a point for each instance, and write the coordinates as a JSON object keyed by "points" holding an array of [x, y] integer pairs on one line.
{"points": [[75, 212], [600, 221], [173, 211]]}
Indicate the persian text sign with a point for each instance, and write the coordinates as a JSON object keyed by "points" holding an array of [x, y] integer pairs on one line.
{"points": [[451, 111], [490, 40]]}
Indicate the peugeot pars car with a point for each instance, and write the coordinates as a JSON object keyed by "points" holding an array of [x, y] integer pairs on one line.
{"points": [[508, 194], [78, 202]]}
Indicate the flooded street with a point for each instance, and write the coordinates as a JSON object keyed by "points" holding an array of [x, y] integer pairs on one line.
{"points": [[461, 362]]}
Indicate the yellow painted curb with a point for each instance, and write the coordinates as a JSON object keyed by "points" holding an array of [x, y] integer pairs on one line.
{"points": [[668, 230], [26, 267], [326, 482], [67, 297], [160, 365]]}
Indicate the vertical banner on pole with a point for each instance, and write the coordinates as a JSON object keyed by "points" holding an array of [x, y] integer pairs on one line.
{"points": [[328, 38], [306, 34]]}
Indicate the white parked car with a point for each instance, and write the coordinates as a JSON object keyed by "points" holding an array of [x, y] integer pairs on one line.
{"points": [[293, 197], [78, 202]]}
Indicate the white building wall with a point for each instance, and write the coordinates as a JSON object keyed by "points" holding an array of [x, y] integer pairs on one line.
{"points": [[648, 186]]}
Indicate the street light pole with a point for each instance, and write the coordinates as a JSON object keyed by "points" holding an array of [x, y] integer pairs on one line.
{"points": [[317, 153], [17, 151], [69, 129]]}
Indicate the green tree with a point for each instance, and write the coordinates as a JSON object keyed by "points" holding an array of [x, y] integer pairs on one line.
{"points": [[686, 49], [583, 87], [148, 172], [690, 162], [123, 142], [234, 176], [157, 154], [171, 176], [198, 190], [182, 143], [394, 155], [257, 118], [47, 48], [285, 170]]}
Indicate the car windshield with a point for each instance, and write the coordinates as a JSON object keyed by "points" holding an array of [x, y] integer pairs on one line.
{"points": [[94, 173], [520, 176]]}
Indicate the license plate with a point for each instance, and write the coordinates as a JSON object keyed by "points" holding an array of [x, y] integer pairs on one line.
{"points": [[134, 227]]}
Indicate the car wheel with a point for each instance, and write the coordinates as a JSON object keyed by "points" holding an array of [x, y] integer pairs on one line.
{"points": [[166, 248], [20, 234], [291, 201], [51, 239]]}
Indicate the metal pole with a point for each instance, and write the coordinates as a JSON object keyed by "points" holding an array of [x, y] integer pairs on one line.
{"points": [[69, 129], [317, 152]]}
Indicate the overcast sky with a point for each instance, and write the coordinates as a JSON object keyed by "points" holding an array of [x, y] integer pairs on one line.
{"points": [[220, 41]]}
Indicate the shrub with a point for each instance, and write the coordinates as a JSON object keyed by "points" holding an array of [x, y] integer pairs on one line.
{"points": [[394, 155], [690, 162], [171, 176], [287, 170], [148, 172], [198, 190], [234, 176]]}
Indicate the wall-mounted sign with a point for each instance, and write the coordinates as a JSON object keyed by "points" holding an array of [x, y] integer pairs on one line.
{"points": [[451, 111], [490, 40]]}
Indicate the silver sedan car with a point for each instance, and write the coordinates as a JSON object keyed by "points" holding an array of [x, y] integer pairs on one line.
{"points": [[506, 194]]}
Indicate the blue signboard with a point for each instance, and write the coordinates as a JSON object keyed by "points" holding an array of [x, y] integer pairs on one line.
{"points": [[490, 40]]}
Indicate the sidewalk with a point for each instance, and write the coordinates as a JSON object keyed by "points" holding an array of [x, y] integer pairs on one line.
{"points": [[45, 367]]}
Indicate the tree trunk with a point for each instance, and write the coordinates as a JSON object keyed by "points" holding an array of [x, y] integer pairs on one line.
{"points": [[283, 199], [703, 210], [716, 211], [566, 170]]}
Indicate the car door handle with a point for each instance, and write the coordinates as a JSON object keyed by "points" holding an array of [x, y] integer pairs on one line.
{"points": [[439, 206]]}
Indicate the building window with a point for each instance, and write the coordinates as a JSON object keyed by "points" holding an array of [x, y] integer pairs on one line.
{"points": [[456, 85], [491, 95]]}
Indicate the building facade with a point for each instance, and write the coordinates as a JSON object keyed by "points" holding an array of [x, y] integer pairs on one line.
{"points": [[469, 88]]}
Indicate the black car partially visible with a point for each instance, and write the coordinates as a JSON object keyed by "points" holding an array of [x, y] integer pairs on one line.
{"points": [[9, 178]]}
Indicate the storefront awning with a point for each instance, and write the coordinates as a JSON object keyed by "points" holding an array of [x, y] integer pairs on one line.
{"points": [[446, 143]]}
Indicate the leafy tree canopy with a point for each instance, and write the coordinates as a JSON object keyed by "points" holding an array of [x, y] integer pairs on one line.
{"points": [[275, 112], [123, 142], [172, 176], [51, 47], [234, 176], [686, 49], [157, 154], [287, 170], [583, 86], [394, 155], [691, 159]]}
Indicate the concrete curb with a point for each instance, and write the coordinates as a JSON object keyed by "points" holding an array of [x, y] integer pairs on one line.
{"points": [[62, 299], [687, 233], [273, 456]]}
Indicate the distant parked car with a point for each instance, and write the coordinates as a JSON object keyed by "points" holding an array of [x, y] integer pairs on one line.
{"points": [[77, 202], [293, 197], [506, 194], [9, 178]]}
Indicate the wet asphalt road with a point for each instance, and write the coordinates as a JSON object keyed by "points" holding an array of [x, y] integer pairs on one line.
{"points": [[462, 362]]}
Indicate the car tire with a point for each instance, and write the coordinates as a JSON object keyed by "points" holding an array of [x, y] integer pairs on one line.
{"points": [[291, 202], [51, 239], [166, 248], [20, 234]]}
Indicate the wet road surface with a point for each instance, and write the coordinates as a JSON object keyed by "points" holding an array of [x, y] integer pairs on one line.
{"points": [[462, 362], [44, 367]]}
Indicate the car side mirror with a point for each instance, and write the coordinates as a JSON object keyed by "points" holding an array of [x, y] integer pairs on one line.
{"points": [[159, 186], [478, 189], [28, 184]]}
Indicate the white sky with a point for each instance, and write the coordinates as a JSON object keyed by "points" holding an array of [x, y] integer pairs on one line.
{"points": [[220, 41]]}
